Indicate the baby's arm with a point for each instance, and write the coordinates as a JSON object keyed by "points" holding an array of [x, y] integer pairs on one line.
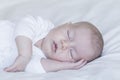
{"points": [[24, 46], [53, 65]]}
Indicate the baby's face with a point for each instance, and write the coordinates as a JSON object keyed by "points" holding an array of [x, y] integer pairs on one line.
{"points": [[64, 43]]}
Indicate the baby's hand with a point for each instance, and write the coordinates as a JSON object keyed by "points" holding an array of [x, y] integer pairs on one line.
{"points": [[53, 65], [19, 65], [74, 65]]}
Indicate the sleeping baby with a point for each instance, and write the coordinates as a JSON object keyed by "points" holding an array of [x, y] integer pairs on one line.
{"points": [[40, 47]]}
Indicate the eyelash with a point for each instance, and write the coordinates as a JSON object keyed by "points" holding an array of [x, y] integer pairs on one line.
{"points": [[71, 53], [69, 39], [68, 34]]}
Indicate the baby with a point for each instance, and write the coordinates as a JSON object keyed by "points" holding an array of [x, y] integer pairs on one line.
{"points": [[68, 46]]}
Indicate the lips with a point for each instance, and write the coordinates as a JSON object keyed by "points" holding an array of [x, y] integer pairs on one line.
{"points": [[54, 46]]}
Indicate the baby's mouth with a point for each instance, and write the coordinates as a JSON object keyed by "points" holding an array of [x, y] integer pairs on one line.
{"points": [[54, 46]]}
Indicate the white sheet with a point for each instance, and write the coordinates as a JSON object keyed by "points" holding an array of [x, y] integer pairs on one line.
{"points": [[105, 14], [6, 39]]}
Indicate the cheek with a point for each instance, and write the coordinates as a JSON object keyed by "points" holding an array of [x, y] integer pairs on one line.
{"points": [[46, 46], [60, 57]]}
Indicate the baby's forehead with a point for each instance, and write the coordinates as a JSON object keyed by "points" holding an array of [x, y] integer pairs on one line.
{"points": [[79, 28]]}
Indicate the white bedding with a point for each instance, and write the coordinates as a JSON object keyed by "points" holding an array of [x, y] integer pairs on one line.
{"points": [[105, 14]]}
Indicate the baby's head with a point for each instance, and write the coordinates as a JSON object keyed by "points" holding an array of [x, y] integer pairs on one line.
{"points": [[72, 42]]}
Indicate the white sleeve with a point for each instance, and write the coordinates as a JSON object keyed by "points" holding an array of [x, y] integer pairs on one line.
{"points": [[34, 28], [26, 27], [34, 66]]}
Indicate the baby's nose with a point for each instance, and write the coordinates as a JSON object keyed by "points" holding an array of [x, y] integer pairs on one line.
{"points": [[65, 44]]}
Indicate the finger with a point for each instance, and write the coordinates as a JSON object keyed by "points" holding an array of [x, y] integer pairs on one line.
{"points": [[79, 62], [82, 60], [14, 70], [74, 65], [80, 66], [9, 69]]}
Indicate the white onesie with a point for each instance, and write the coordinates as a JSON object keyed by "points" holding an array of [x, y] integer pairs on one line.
{"points": [[35, 28]]}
